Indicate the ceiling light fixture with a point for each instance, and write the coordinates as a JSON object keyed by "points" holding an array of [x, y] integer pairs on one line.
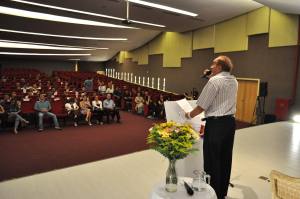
{"points": [[42, 54], [55, 18], [162, 7], [64, 36], [84, 12], [34, 46], [52, 45]]}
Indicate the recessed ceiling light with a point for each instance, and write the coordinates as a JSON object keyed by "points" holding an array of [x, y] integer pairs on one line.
{"points": [[42, 54], [64, 36], [9, 42], [56, 18], [86, 13], [163, 7]]}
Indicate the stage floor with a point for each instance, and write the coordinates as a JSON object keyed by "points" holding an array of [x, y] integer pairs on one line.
{"points": [[257, 151]]}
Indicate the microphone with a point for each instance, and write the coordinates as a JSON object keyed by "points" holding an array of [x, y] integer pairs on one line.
{"points": [[206, 73], [188, 189]]}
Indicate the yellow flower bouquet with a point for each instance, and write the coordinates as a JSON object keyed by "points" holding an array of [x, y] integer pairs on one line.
{"points": [[173, 140]]}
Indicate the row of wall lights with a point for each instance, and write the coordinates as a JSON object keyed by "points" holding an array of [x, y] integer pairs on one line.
{"points": [[129, 77]]}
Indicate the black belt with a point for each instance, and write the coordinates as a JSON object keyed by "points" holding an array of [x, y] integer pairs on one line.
{"points": [[217, 117]]}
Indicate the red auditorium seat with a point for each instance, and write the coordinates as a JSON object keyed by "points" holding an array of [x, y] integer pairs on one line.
{"points": [[58, 108]]}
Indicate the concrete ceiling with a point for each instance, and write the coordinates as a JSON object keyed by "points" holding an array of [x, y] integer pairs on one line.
{"points": [[209, 12]]}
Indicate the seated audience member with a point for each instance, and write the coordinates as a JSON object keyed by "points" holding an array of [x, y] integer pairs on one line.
{"points": [[35, 89], [139, 103], [5, 103], [13, 95], [73, 110], [3, 79], [117, 96], [49, 85], [187, 97], [195, 94], [110, 108], [29, 95], [43, 107], [13, 113], [25, 88], [86, 107], [2, 116], [133, 92], [127, 100], [88, 84], [18, 86], [160, 110], [110, 89], [98, 109], [102, 87], [151, 107]]}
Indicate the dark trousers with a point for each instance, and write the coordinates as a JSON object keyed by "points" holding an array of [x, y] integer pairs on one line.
{"points": [[112, 113], [98, 114], [217, 152], [75, 115]]}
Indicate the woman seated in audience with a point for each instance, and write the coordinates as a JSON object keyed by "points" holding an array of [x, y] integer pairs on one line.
{"points": [[102, 87], [13, 113], [139, 104], [73, 110], [160, 110], [25, 88], [127, 100], [35, 89], [98, 109], [110, 88], [29, 95], [86, 107], [49, 85], [151, 106]]}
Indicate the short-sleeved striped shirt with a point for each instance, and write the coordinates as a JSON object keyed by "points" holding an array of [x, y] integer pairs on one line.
{"points": [[218, 97]]}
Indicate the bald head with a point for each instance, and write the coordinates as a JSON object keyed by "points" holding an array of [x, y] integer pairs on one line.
{"points": [[224, 62]]}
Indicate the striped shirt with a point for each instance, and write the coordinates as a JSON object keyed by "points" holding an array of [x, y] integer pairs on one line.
{"points": [[218, 97]]}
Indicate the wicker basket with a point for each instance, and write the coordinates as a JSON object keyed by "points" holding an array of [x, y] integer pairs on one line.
{"points": [[284, 186]]}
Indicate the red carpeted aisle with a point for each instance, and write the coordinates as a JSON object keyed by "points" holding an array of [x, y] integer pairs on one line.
{"points": [[31, 152]]}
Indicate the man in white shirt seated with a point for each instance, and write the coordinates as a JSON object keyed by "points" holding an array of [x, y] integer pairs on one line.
{"points": [[110, 108], [98, 110]]}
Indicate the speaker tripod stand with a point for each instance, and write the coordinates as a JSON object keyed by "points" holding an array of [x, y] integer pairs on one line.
{"points": [[259, 110]]}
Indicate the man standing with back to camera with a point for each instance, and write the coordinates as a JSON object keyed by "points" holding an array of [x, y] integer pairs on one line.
{"points": [[218, 101]]}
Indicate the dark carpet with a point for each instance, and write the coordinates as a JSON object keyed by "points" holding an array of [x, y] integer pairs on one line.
{"points": [[30, 152]]}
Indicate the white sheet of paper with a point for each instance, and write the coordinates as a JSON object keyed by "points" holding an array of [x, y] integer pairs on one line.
{"points": [[175, 111]]}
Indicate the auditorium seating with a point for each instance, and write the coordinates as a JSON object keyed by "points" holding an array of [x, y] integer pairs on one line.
{"points": [[75, 80]]}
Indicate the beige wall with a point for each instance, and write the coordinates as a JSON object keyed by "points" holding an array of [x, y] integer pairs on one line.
{"points": [[274, 65]]}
